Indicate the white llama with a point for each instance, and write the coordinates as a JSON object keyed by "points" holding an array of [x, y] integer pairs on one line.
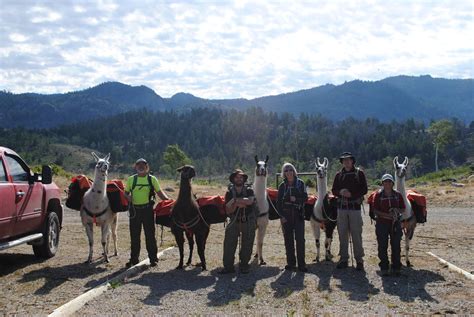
{"points": [[260, 190], [96, 209], [407, 215], [323, 217]]}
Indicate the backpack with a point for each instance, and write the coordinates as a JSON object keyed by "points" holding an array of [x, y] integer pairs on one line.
{"points": [[115, 193], [151, 196], [76, 190]]}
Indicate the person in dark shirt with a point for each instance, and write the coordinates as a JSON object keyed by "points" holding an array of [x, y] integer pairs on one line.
{"points": [[291, 198], [349, 187], [388, 205], [240, 207]]}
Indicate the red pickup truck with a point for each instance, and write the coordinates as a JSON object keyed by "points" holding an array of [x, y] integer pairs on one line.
{"points": [[30, 206]]}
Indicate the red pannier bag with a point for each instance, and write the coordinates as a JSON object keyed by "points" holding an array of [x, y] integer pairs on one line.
{"points": [[212, 209], [418, 204], [116, 195], [163, 212], [76, 190], [272, 196], [309, 206]]}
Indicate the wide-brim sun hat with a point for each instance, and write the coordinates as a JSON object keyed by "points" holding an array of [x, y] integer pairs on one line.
{"points": [[346, 155], [238, 172]]}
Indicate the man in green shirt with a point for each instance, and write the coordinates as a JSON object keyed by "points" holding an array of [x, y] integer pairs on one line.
{"points": [[140, 191]]}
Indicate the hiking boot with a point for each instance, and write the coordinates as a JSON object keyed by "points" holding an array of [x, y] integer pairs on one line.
{"points": [[131, 263], [385, 272], [227, 271], [153, 263], [342, 265], [290, 267], [303, 269], [360, 266]]}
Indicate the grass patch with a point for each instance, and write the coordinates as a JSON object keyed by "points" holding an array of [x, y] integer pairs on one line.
{"points": [[458, 173]]}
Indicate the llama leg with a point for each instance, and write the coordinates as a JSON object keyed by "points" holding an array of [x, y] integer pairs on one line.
{"points": [[90, 237], [105, 241], [316, 233], [262, 229], [330, 226], [201, 246], [114, 233], [178, 235], [190, 238]]}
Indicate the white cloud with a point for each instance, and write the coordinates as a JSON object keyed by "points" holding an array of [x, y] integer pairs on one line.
{"points": [[230, 49]]}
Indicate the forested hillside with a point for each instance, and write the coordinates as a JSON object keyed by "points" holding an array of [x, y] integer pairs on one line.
{"points": [[217, 141]]}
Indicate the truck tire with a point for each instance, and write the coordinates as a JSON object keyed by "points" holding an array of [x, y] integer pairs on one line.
{"points": [[49, 245]]}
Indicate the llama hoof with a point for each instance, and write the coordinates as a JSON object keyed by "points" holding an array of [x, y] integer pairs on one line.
{"points": [[107, 260], [263, 263], [188, 263], [115, 253], [408, 264], [198, 264], [179, 267], [203, 268], [256, 255], [316, 260], [88, 261]]}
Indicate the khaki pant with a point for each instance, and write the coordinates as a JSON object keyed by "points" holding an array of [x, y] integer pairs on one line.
{"points": [[350, 222], [232, 232]]}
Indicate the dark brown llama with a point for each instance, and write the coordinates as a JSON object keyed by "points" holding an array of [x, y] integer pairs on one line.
{"points": [[186, 218]]}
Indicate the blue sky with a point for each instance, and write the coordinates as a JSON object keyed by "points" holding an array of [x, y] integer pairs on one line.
{"points": [[224, 49]]}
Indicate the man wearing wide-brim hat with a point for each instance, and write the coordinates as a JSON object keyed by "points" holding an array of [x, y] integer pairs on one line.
{"points": [[240, 207], [350, 186]]}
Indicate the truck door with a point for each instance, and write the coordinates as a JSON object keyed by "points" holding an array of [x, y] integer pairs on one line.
{"points": [[7, 204], [28, 196]]}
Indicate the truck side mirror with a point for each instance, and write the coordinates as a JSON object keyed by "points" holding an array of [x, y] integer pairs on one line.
{"points": [[46, 174]]}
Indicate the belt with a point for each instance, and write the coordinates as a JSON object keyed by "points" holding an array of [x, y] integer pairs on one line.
{"points": [[142, 206]]}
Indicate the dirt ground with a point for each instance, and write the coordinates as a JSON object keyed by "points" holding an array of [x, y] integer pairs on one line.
{"points": [[34, 287]]}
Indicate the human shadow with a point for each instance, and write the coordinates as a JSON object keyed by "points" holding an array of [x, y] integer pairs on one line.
{"points": [[411, 284], [58, 275], [231, 287], [11, 262], [355, 283], [287, 283], [163, 283], [324, 271]]}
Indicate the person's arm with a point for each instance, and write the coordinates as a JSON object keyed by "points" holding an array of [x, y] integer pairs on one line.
{"points": [[361, 189], [128, 189], [157, 189], [230, 203]]}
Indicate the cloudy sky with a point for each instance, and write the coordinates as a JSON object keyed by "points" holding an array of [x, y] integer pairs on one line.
{"points": [[223, 49]]}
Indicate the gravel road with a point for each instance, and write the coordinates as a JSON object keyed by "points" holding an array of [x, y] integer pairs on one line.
{"points": [[33, 287]]}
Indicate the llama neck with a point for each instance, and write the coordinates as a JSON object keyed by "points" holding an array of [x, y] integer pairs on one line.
{"points": [[260, 189], [185, 189], [400, 186], [100, 180], [322, 190]]}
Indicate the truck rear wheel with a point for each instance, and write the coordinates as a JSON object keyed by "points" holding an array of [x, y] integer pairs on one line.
{"points": [[49, 245]]}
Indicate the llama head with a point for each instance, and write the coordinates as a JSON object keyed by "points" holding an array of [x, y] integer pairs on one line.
{"points": [[102, 164], [187, 171], [400, 168], [322, 168], [261, 169]]}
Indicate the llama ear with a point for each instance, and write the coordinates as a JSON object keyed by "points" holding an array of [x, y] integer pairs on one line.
{"points": [[266, 159], [395, 162], [405, 161], [326, 162], [107, 158], [319, 162], [256, 159], [95, 156]]}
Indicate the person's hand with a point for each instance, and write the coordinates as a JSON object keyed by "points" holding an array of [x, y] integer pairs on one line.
{"points": [[283, 220], [345, 193], [128, 197], [292, 199]]}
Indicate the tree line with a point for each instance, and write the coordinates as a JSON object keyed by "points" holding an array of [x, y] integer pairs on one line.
{"points": [[216, 141]]}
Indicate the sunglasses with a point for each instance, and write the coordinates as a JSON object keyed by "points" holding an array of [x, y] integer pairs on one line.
{"points": [[290, 170]]}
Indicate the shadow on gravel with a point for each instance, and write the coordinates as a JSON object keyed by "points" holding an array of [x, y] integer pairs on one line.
{"points": [[56, 276], [12, 262], [355, 283], [324, 271], [411, 284], [287, 283], [231, 287], [162, 283]]}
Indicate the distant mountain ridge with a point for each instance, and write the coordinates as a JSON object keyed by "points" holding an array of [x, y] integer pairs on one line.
{"points": [[393, 98]]}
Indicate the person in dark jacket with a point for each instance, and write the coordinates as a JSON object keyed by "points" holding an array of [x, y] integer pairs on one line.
{"points": [[349, 187], [387, 208], [291, 198]]}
